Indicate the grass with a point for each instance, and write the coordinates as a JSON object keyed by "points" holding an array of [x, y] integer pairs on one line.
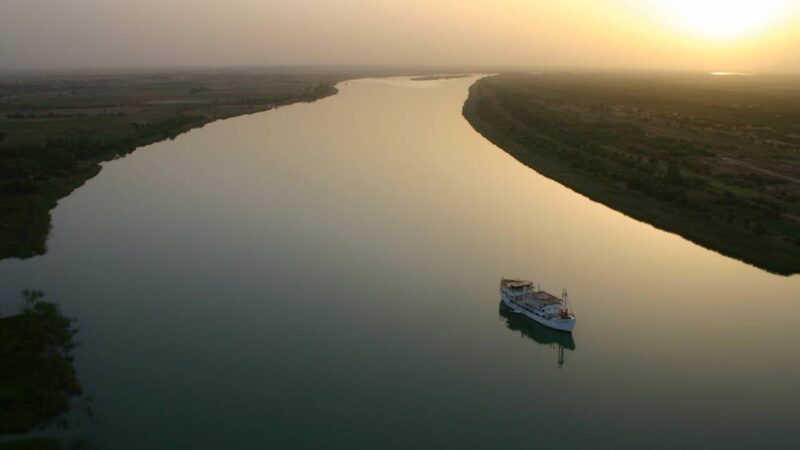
{"points": [[55, 131], [716, 160]]}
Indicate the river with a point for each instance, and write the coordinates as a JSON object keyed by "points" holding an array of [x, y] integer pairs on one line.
{"points": [[325, 275]]}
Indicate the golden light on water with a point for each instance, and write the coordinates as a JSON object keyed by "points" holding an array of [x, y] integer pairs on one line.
{"points": [[725, 19], [729, 74]]}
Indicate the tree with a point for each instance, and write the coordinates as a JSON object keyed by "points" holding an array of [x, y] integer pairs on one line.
{"points": [[673, 176]]}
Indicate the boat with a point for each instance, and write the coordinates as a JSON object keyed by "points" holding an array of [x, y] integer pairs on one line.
{"points": [[522, 297]]}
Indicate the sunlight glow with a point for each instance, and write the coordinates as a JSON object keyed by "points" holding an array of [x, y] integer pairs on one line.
{"points": [[725, 19]]}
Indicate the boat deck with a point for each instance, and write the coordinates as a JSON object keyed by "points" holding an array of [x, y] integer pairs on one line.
{"points": [[534, 296], [541, 297]]}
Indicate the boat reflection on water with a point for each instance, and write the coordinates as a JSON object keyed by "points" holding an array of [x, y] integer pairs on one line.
{"points": [[539, 333]]}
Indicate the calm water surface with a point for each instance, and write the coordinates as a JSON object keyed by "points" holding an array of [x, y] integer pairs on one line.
{"points": [[325, 276]]}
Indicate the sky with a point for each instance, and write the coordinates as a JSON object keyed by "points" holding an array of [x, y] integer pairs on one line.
{"points": [[714, 35]]}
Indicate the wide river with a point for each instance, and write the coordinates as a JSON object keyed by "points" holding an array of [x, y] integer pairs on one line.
{"points": [[326, 275]]}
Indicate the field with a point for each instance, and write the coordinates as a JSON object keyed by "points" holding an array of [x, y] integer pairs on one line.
{"points": [[714, 159], [55, 130]]}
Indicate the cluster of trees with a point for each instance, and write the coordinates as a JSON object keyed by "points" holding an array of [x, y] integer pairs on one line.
{"points": [[166, 128], [49, 115], [55, 115], [25, 168], [319, 90], [199, 90], [37, 377], [667, 186]]}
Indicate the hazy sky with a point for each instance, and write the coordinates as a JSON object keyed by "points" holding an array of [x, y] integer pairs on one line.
{"points": [[731, 35]]}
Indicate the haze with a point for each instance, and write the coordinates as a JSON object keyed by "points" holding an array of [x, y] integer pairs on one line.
{"points": [[747, 36]]}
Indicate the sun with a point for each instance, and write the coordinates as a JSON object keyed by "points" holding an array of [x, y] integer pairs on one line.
{"points": [[725, 19]]}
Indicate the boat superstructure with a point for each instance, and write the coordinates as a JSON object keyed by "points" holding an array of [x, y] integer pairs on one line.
{"points": [[522, 297]]}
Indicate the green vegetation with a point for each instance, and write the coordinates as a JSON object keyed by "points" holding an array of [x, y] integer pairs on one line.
{"points": [[55, 131], [714, 159], [37, 378]]}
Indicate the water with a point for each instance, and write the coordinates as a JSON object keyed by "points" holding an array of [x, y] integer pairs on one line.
{"points": [[326, 276]]}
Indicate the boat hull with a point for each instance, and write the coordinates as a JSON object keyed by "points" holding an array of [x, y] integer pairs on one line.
{"points": [[566, 325]]}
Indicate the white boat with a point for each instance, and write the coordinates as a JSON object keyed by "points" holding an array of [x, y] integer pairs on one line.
{"points": [[522, 297]]}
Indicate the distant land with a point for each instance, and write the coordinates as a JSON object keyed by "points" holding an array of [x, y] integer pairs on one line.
{"points": [[440, 77], [55, 130], [713, 159]]}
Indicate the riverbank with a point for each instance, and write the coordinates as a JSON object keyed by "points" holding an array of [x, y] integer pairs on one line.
{"points": [[713, 160], [55, 131]]}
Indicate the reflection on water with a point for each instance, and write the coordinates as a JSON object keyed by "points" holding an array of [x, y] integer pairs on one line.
{"points": [[539, 333]]}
